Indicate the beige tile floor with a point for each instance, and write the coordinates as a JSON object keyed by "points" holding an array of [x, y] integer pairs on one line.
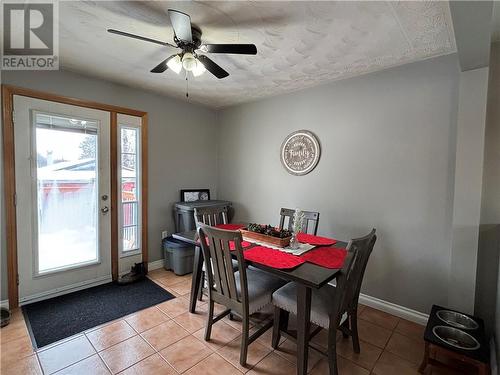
{"points": [[167, 339]]}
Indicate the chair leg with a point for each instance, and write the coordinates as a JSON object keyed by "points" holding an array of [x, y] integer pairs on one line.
{"points": [[346, 328], [353, 318], [276, 327], [332, 351], [202, 284], [244, 340], [280, 323], [285, 317], [210, 322]]}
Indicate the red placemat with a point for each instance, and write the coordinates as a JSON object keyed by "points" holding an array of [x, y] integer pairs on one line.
{"points": [[329, 257], [272, 258], [315, 240], [229, 226]]}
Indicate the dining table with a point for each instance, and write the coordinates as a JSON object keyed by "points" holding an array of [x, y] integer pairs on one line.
{"points": [[307, 276]]}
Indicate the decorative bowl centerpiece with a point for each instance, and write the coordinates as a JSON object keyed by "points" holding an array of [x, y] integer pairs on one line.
{"points": [[267, 234]]}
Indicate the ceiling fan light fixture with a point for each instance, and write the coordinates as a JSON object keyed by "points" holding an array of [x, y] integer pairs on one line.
{"points": [[189, 61], [175, 64], [199, 70], [187, 38]]}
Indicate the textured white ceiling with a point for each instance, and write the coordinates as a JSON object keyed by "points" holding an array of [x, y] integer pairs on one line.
{"points": [[300, 44]]}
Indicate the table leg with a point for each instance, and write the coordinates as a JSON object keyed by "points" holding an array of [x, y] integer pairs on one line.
{"points": [[196, 280], [303, 327], [425, 360]]}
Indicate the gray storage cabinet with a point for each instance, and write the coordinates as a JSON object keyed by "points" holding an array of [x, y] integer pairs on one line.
{"points": [[178, 256], [184, 213]]}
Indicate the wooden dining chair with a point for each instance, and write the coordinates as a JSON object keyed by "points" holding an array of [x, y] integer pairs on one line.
{"points": [[243, 292], [211, 215], [331, 306], [310, 224]]}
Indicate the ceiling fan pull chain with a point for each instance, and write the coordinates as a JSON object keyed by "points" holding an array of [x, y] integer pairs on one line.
{"points": [[187, 86]]}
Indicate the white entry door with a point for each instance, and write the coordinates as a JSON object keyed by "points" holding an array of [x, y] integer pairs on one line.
{"points": [[62, 197]]}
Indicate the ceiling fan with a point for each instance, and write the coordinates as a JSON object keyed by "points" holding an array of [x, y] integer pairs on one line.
{"points": [[187, 37]]}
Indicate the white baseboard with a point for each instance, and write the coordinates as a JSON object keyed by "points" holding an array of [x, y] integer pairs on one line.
{"points": [[393, 309], [64, 290], [157, 264]]}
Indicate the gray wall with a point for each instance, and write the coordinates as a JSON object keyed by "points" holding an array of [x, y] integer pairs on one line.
{"points": [[490, 210], [487, 286], [469, 157], [388, 158], [488, 275], [179, 133]]}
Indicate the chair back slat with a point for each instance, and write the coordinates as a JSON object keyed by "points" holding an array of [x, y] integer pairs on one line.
{"points": [[212, 267], [305, 226], [211, 215], [216, 247], [230, 280], [310, 217], [220, 265]]}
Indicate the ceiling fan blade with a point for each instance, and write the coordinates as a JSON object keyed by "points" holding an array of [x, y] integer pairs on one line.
{"points": [[181, 23], [161, 67], [242, 49], [212, 67], [123, 33]]}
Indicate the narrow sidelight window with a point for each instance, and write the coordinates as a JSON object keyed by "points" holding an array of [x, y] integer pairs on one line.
{"points": [[130, 185]]}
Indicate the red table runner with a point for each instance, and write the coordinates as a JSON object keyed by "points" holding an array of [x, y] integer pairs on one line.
{"points": [[272, 258], [315, 240], [229, 226], [329, 257]]}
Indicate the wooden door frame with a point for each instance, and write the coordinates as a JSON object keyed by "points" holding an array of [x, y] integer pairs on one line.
{"points": [[8, 93]]}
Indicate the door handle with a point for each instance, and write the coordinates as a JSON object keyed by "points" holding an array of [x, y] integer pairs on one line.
{"points": [[105, 209]]}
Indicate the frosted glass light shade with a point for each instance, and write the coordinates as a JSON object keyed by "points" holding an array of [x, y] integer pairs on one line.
{"points": [[175, 64], [189, 61], [199, 70]]}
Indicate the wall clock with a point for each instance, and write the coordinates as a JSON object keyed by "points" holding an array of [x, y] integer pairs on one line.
{"points": [[300, 152]]}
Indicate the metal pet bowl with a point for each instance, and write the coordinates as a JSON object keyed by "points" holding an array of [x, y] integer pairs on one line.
{"points": [[456, 338], [5, 317], [457, 319]]}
